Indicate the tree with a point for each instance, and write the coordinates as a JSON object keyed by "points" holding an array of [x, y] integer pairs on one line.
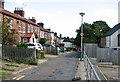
{"points": [[42, 40], [77, 39], [9, 36], [92, 32], [99, 29], [66, 39]]}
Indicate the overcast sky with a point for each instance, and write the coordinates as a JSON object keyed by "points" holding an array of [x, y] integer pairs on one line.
{"points": [[62, 16]]}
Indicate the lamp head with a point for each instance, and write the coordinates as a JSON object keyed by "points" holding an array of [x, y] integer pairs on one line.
{"points": [[82, 13]]}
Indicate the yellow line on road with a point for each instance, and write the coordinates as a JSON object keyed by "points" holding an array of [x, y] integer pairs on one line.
{"points": [[20, 77], [16, 77]]}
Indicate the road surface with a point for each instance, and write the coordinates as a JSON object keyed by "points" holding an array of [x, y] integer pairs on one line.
{"points": [[62, 67]]}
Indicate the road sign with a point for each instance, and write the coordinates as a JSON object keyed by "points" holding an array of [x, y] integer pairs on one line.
{"points": [[81, 34]]}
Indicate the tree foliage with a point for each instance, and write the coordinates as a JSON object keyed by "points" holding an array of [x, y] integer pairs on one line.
{"points": [[9, 36], [92, 32], [67, 39], [42, 40]]}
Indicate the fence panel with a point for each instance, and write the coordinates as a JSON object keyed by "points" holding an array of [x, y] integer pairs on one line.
{"points": [[0, 51], [91, 50], [50, 50], [104, 54], [19, 53], [108, 55], [115, 57]]}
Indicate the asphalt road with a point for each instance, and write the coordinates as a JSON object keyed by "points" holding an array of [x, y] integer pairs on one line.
{"points": [[59, 68]]}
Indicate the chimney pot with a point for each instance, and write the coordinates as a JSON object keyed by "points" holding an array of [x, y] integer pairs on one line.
{"points": [[19, 11]]}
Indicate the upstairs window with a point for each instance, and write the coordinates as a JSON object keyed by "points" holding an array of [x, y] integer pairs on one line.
{"points": [[28, 29], [31, 28], [20, 26], [11, 24]]}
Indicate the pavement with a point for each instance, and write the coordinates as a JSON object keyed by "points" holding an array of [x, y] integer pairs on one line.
{"points": [[80, 71]]}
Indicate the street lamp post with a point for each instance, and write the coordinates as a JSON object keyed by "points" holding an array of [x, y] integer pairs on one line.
{"points": [[56, 45], [81, 34], [55, 37]]}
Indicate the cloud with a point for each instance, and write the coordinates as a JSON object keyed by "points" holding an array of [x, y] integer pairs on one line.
{"points": [[60, 22], [66, 19], [69, 1], [106, 14]]}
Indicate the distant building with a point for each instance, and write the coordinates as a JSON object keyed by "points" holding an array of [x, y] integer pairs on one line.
{"points": [[119, 12]]}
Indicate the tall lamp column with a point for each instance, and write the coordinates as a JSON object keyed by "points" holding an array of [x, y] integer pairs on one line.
{"points": [[82, 14]]}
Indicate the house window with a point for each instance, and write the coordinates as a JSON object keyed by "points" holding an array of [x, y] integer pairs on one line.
{"points": [[25, 40], [35, 30], [28, 28], [11, 24], [24, 30], [31, 28], [38, 32], [20, 26]]}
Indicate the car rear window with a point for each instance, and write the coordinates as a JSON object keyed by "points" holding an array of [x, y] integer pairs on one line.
{"points": [[38, 45], [31, 45]]}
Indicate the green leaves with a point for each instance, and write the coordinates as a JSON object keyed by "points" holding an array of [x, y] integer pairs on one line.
{"points": [[92, 32], [9, 36], [42, 40]]}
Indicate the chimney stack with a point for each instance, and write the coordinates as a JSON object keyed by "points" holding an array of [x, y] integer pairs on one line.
{"points": [[41, 24], [55, 34], [49, 29], [19, 11], [33, 19], [60, 35], [2, 4]]}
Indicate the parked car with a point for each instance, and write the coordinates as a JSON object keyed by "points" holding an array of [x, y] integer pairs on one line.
{"points": [[52, 46], [37, 46]]}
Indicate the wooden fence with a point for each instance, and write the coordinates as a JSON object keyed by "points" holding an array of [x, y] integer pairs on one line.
{"points": [[103, 54], [108, 55], [0, 52], [91, 50], [50, 50], [18, 53]]}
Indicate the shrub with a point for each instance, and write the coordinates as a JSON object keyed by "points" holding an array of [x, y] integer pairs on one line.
{"points": [[20, 44], [40, 54], [42, 40]]}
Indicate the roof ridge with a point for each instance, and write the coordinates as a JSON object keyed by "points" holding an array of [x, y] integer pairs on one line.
{"points": [[112, 30]]}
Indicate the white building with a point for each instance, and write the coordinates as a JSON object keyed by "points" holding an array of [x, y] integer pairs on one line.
{"points": [[112, 37]]}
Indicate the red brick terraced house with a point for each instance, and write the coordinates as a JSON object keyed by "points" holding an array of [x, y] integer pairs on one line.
{"points": [[27, 29]]}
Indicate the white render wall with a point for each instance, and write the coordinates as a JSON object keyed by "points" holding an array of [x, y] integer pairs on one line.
{"points": [[114, 39], [31, 39], [119, 12], [108, 41]]}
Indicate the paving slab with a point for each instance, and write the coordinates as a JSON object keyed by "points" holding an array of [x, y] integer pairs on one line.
{"points": [[80, 71]]}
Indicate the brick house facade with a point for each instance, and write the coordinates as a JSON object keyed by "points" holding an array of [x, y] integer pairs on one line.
{"points": [[24, 26]]}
